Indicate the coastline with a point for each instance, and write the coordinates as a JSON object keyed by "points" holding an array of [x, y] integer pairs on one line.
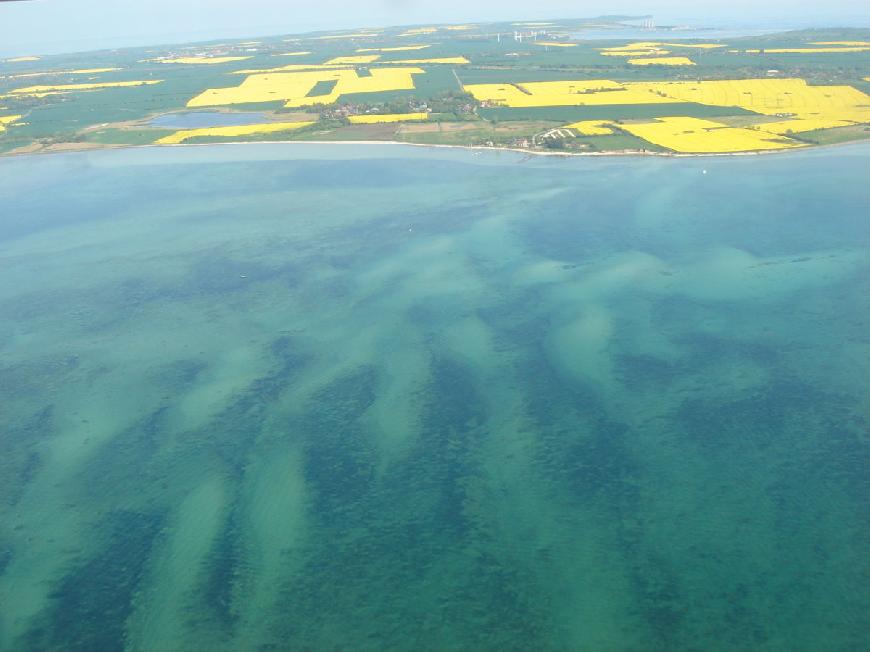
{"points": [[61, 148]]}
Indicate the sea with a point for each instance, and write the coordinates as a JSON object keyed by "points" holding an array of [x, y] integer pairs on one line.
{"points": [[383, 397]]}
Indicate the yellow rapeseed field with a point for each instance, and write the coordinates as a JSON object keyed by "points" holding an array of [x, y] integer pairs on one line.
{"points": [[459, 28], [202, 60], [702, 46], [632, 53], [694, 135], [21, 59], [459, 61], [591, 127], [637, 45], [792, 98], [380, 80], [811, 50], [632, 47], [641, 48], [419, 30], [352, 60], [402, 48], [595, 92], [89, 71], [293, 87], [391, 117], [295, 67], [229, 132], [263, 88], [7, 120], [43, 91], [662, 61]]}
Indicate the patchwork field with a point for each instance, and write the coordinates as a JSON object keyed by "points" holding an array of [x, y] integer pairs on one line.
{"points": [[710, 95], [696, 135], [7, 120], [565, 93], [295, 88], [808, 108]]}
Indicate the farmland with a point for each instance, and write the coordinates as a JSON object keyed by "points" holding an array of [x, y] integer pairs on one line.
{"points": [[538, 85], [184, 135], [696, 135], [7, 120]]}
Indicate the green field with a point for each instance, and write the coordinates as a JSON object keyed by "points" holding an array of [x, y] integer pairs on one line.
{"points": [[835, 136]]}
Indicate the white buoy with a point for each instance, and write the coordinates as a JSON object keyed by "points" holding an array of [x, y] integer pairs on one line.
{"points": [[703, 171]]}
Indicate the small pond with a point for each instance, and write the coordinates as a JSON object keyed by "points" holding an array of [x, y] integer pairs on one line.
{"points": [[199, 119]]}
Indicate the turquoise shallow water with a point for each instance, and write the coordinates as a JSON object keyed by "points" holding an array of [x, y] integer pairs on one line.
{"points": [[344, 397]]}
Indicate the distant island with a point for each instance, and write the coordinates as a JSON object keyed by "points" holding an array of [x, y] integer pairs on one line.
{"points": [[611, 84]]}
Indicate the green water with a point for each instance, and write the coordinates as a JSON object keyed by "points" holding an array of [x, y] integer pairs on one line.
{"points": [[382, 398]]}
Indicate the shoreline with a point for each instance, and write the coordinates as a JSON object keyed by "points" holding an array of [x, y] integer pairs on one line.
{"points": [[62, 148]]}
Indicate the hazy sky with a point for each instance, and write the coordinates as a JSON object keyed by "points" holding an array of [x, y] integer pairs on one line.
{"points": [[46, 26]]}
